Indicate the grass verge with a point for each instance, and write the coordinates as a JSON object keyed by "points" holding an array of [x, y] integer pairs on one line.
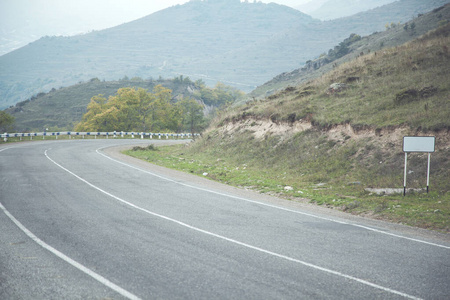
{"points": [[419, 209]]}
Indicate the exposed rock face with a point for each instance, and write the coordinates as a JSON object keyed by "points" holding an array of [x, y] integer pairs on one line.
{"points": [[261, 128]]}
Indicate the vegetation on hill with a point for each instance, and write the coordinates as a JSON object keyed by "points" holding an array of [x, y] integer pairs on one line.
{"points": [[142, 111], [394, 34], [332, 137], [335, 140], [6, 121], [62, 109], [237, 43], [402, 86]]}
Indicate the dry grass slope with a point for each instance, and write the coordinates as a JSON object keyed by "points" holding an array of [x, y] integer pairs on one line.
{"points": [[330, 145], [401, 86]]}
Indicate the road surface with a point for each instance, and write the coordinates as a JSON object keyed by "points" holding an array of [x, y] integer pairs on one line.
{"points": [[78, 222]]}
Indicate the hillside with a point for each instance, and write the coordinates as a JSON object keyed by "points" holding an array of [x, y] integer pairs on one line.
{"points": [[337, 140], [167, 43], [244, 44], [63, 108], [351, 48]]}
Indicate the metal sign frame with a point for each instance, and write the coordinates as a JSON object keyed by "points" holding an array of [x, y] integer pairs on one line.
{"points": [[424, 144]]}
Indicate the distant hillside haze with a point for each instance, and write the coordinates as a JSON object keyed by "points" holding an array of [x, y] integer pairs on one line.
{"points": [[24, 21], [237, 43], [334, 9], [310, 6]]}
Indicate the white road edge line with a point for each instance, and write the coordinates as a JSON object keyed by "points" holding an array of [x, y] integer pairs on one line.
{"points": [[67, 259], [270, 205], [362, 281], [3, 149]]}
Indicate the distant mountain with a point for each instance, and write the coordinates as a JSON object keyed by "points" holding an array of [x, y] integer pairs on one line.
{"points": [[25, 21], [241, 44], [352, 47], [334, 9]]}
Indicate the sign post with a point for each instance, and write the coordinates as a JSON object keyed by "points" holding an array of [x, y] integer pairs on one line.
{"points": [[424, 144]]}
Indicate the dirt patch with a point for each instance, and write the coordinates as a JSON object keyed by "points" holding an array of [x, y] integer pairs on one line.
{"points": [[260, 128], [386, 137]]}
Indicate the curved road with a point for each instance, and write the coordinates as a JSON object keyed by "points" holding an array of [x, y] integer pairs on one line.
{"points": [[77, 223]]}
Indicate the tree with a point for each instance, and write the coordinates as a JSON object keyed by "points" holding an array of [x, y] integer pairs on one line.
{"points": [[193, 117], [6, 122], [132, 110], [96, 106], [161, 108]]}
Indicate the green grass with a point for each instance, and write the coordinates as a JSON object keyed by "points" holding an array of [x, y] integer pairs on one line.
{"points": [[335, 169], [332, 183], [372, 99]]}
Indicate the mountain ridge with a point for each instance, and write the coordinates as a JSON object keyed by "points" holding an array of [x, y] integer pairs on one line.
{"points": [[280, 43]]}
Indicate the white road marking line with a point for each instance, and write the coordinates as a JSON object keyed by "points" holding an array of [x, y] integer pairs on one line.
{"points": [[365, 282], [3, 149], [271, 205], [67, 259]]}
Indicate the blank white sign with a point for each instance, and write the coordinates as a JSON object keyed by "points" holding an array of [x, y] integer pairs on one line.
{"points": [[418, 143]]}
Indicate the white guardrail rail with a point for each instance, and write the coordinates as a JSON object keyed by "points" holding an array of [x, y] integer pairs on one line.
{"points": [[114, 134]]}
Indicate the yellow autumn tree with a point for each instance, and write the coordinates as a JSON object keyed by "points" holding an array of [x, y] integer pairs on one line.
{"points": [[132, 110]]}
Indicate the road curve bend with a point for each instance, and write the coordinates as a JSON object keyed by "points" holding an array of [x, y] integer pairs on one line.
{"points": [[77, 222]]}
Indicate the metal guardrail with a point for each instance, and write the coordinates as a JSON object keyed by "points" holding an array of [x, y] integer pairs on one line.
{"points": [[113, 134]]}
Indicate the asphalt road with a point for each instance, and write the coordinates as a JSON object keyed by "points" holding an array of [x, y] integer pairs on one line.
{"points": [[78, 223]]}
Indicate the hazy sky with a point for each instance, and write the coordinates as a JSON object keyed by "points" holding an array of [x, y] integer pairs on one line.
{"points": [[89, 14]]}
